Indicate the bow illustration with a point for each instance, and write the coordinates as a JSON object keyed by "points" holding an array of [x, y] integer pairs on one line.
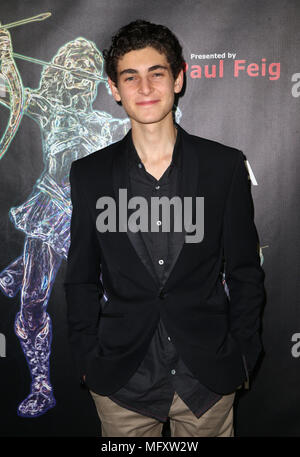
{"points": [[12, 81]]}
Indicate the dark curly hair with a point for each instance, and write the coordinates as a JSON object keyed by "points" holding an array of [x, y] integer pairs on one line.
{"points": [[137, 35]]}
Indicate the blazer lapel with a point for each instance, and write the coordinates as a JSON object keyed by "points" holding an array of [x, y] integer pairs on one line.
{"points": [[121, 181], [187, 186]]}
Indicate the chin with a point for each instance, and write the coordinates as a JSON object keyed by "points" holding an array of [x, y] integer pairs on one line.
{"points": [[149, 119]]}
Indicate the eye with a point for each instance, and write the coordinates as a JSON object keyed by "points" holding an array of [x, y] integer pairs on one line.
{"points": [[130, 78], [157, 74]]}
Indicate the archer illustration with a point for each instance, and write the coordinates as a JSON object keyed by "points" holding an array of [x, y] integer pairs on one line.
{"points": [[70, 129]]}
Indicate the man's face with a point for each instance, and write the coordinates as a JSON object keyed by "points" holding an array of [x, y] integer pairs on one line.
{"points": [[146, 85]]}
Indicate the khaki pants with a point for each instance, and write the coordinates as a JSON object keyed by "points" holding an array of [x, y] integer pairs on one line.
{"points": [[118, 421]]}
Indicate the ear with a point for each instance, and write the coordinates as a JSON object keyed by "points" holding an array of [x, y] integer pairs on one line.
{"points": [[114, 90], [178, 82]]}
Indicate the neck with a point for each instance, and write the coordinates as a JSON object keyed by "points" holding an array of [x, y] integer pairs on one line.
{"points": [[154, 142]]}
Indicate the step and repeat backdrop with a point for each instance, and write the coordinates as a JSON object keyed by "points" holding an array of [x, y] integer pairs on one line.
{"points": [[242, 89]]}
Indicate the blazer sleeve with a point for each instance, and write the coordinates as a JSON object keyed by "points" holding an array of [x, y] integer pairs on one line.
{"points": [[82, 284], [243, 272]]}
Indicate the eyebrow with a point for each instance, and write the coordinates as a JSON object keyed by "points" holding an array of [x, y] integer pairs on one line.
{"points": [[154, 67]]}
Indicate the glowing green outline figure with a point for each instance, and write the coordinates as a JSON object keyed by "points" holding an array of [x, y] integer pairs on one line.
{"points": [[70, 129]]}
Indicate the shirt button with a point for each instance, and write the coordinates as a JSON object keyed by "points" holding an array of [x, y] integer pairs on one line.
{"points": [[140, 165], [161, 262], [158, 222], [169, 338], [157, 187], [173, 371]]}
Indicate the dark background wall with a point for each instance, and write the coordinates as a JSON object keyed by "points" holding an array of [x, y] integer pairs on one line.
{"points": [[256, 114]]}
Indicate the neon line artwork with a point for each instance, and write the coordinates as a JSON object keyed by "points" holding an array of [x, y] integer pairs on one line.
{"points": [[70, 129]]}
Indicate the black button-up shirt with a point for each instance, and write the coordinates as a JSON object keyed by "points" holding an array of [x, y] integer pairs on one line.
{"points": [[151, 389]]}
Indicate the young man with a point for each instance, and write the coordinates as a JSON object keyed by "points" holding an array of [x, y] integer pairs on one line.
{"points": [[167, 341]]}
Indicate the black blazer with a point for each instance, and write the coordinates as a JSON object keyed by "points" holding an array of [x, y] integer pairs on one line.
{"points": [[217, 338]]}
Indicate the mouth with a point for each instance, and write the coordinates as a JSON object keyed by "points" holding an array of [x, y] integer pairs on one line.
{"points": [[151, 102]]}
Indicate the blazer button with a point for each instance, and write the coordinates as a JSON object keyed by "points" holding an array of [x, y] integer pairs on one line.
{"points": [[162, 294], [82, 383]]}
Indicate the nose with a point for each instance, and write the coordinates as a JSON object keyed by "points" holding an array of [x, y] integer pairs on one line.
{"points": [[145, 86]]}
